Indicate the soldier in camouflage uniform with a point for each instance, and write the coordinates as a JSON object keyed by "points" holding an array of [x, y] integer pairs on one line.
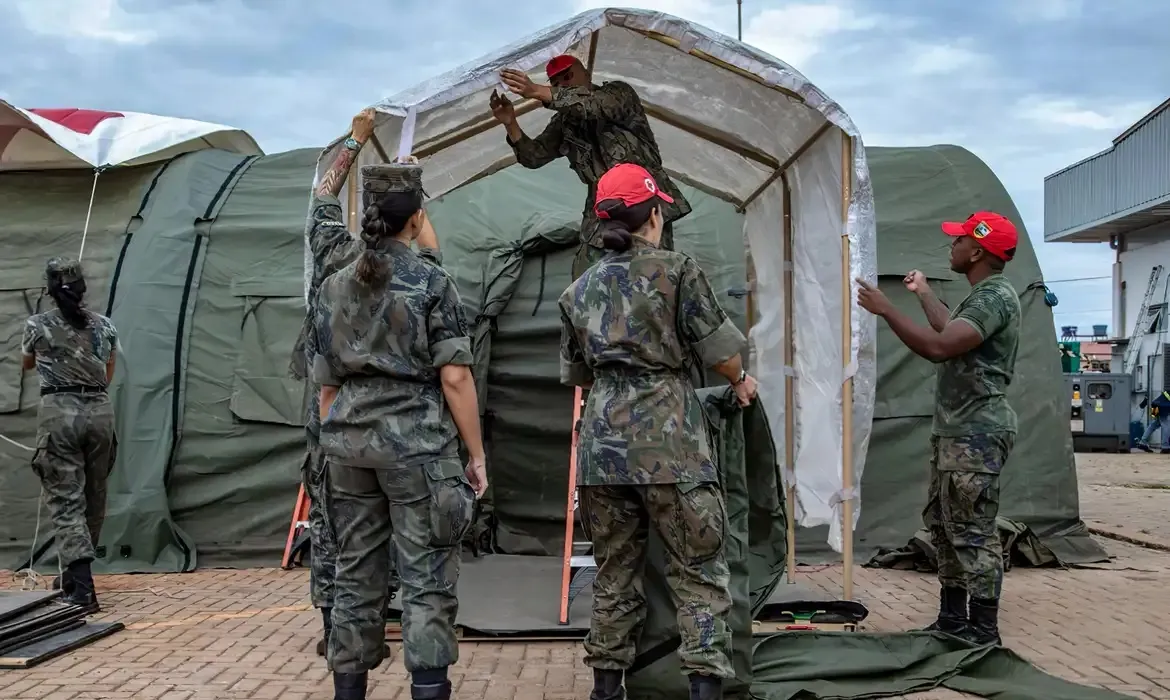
{"points": [[974, 425], [595, 127], [630, 324], [73, 351], [333, 248], [393, 362]]}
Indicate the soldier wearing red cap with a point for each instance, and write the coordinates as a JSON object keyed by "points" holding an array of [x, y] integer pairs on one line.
{"points": [[595, 127], [631, 323], [974, 425]]}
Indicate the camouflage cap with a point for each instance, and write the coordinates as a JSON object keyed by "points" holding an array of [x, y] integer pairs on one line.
{"points": [[66, 269], [377, 180]]}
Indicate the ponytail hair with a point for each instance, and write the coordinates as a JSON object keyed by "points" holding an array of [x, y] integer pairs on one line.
{"points": [[66, 286], [382, 220], [621, 221]]}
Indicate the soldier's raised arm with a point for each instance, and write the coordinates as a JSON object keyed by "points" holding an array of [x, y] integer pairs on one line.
{"points": [[326, 225]]}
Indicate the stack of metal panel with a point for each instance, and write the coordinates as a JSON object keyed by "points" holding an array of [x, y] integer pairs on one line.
{"points": [[36, 626]]}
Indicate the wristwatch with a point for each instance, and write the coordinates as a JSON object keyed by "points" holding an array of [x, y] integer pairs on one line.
{"points": [[352, 144], [742, 376]]}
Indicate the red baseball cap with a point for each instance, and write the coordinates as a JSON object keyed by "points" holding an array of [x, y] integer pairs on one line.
{"points": [[630, 183], [993, 231], [559, 64]]}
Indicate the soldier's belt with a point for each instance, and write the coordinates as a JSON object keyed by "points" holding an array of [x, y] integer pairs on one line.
{"points": [[73, 389]]}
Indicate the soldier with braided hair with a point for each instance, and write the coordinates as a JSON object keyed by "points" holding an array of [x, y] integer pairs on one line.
{"points": [[393, 360], [73, 350]]}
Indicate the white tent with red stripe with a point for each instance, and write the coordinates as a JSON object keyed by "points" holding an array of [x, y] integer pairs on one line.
{"points": [[51, 139]]}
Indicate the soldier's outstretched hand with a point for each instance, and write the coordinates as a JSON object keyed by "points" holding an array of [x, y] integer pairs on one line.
{"points": [[872, 299], [363, 125], [746, 390], [502, 108]]}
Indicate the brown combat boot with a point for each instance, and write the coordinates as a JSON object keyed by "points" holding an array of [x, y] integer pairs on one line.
{"points": [[607, 684]]}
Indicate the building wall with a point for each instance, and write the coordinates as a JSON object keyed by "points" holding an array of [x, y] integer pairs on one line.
{"points": [[1143, 250]]}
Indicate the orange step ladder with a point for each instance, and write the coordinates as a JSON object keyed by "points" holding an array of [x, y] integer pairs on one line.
{"points": [[578, 568], [298, 531]]}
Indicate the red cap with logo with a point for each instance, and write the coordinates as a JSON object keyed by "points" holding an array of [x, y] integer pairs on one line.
{"points": [[993, 231], [630, 183], [559, 64]]}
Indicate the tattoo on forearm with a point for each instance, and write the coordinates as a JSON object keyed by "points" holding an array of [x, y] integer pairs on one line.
{"points": [[331, 184]]}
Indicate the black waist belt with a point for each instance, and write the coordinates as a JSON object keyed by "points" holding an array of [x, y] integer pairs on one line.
{"points": [[73, 389]]}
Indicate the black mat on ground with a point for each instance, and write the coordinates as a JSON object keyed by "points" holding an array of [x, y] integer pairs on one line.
{"points": [[14, 603], [507, 595], [63, 643], [45, 614], [856, 666], [34, 635]]}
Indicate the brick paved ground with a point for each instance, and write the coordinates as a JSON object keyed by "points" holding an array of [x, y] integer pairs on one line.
{"points": [[1128, 493], [227, 635]]}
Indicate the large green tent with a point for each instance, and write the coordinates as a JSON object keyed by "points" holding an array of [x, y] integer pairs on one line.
{"points": [[199, 264]]}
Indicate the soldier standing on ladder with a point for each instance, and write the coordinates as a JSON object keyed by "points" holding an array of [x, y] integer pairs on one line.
{"points": [[974, 426]]}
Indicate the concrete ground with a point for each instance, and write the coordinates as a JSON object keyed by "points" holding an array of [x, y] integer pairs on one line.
{"points": [[227, 635]]}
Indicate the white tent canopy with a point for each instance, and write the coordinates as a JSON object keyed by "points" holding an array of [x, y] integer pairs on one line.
{"points": [[747, 128], [50, 139]]}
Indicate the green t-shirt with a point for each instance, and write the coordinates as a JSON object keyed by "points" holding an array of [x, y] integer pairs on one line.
{"points": [[970, 397]]}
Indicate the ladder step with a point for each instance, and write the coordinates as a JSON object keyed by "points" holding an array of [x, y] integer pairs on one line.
{"points": [[582, 562], [302, 523]]}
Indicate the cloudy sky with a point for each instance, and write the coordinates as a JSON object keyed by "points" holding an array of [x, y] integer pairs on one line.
{"points": [[1028, 85]]}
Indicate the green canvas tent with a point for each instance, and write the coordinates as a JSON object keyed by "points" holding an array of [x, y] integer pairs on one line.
{"points": [[199, 263]]}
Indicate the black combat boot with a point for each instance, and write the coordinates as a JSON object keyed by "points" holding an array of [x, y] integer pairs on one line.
{"points": [[607, 684], [984, 627], [326, 630], [77, 586], [706, 687], [952, 612], [430, 684], [349, 686]]}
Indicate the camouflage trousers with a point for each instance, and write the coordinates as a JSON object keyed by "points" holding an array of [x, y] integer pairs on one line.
{"points": [[961, 511], [691, 521], [75, 452], [322, 541], [426, 510]]}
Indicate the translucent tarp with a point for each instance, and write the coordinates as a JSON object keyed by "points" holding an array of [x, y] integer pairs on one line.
{"points": [[727, 117]]}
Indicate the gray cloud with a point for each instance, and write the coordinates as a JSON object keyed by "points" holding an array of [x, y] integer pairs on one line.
{"points": [[1028, 86]]}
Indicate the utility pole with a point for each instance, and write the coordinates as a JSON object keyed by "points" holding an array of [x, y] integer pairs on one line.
{"points": [[739, 19]]}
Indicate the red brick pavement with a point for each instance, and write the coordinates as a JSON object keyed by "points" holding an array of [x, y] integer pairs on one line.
{"points": [[228, 635]]}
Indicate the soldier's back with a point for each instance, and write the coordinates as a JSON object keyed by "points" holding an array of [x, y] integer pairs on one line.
{"points": [[67, 356]]}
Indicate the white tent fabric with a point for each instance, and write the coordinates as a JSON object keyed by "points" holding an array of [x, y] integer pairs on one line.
{"points": [[70, 138], [728, 119]]}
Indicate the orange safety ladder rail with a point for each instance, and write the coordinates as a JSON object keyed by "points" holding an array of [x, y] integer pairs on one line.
{"points": [[298, 529], [577, 570]]}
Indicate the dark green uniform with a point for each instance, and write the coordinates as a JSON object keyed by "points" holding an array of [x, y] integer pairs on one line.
{"points": [[974, 429], [597, 128], [631, 324]]}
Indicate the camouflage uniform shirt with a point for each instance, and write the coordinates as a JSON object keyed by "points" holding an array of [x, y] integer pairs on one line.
{"points": [[67, 356], [595, 129], [631, 324], [332, 248], [970, 397], [385, 348]]}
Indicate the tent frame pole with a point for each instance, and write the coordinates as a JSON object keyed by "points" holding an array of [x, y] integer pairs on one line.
{"points": [[789, 380], [783, 169], [351, 185], [846, 360]]}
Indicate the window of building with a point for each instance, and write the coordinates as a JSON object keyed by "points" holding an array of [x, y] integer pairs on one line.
{"points": [[1156, 318], [1100, 390]]}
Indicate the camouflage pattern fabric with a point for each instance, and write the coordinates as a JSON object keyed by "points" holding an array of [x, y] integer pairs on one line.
{"points": [[971, 393], [378, 180], [426, 508], [67, 356], [961, 511], [76, 446], [596, 128], [631, 325], [333, 248], [691, 521], [385, 357]]}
